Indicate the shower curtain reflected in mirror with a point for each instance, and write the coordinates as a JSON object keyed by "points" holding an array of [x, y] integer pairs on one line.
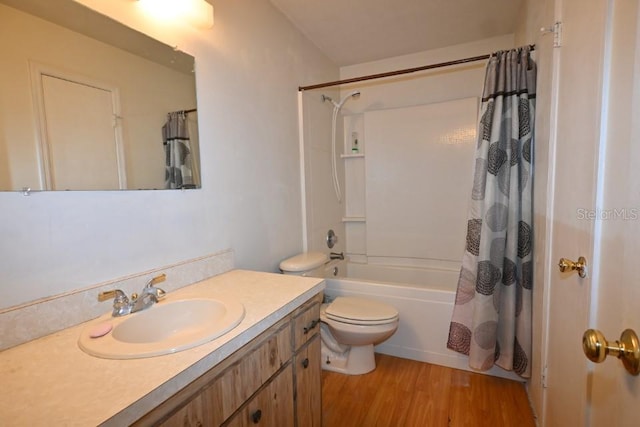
{"points": [[491, 321], [179, 154]]}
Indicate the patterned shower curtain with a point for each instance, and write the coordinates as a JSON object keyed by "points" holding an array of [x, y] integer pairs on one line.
{"points": [[175, 136], [491, 320]]}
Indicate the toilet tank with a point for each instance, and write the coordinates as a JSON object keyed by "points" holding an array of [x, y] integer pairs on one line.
{"points": [[311, 264]]}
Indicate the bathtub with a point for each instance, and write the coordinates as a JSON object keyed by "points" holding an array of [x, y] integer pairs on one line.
{"points": [[424, 298]]}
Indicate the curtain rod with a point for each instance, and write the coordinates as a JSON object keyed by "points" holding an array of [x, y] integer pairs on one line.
{"points": [[190, 111], [399, 72]]}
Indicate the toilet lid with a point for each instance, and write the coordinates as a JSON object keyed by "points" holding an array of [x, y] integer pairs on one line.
{"points": [[303, 262], [360, 310]]}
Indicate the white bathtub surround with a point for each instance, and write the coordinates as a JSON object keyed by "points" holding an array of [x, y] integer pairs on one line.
{"points": [[50, 381], [48, 315], [416, 145], [418, 165], [425, 312]]}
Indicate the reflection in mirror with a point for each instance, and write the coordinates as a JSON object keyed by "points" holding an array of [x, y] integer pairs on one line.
{"points": [[89, 104]]}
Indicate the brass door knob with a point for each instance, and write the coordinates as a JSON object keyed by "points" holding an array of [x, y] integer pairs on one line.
{"points": [[580, 266], [597, 348]]}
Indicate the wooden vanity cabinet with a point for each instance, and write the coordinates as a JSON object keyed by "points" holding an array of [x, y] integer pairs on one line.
{"points": [[274, 380], [308, 398], [272, 406], [307, 366]]}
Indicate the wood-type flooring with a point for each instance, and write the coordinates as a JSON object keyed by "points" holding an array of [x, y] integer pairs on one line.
{"points": [[403, 392]]}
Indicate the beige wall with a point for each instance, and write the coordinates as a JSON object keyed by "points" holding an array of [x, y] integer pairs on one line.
{"points": [[147, 92], [248, 68]]}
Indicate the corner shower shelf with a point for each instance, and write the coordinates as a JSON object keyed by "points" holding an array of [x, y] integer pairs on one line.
{"points": [[354, 219], [352, 156]]}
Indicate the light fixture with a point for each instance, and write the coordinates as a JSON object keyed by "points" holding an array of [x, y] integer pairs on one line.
{"points": [[198, 13]]}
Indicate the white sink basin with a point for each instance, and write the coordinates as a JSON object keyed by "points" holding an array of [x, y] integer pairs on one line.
{"points": [[166, 327]]}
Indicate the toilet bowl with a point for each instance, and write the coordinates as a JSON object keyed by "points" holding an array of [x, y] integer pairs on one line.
{"points": [[357, 324], [351, 326]]}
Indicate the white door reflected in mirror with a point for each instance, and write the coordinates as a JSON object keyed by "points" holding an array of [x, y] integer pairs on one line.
{"points": [[81, 138]]}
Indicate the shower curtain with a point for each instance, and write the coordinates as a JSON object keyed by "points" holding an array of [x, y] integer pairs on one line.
{"points": [[491, 320], [179, 159]]}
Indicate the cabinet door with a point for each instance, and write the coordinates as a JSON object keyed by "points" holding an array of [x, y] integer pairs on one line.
{"points": [[241, 380], [191, 415], [306, 323], [271, 407], [309, 385]]}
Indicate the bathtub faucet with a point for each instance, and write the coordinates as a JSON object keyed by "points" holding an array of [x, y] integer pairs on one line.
{"points": [[334, 255]]}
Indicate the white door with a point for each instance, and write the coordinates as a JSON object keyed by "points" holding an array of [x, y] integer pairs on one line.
{"points": [[595, 193], [615, 395], [80, 135]]}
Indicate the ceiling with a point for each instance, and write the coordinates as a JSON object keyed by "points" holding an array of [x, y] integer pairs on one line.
{"points": [[356, 31]]}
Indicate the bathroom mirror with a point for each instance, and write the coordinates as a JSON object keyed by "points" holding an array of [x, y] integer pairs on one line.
{"points": [[85, 103]]}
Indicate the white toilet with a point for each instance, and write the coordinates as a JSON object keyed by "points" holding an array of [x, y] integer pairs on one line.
{"points": [[350, 326]]}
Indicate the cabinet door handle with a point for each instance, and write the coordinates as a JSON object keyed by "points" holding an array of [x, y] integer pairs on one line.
{"points": [[310, 326], [305, 363], [256, 416]]}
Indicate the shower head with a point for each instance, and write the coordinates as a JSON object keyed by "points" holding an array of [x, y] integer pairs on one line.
{"points": [[326, 98], [338, 105]]}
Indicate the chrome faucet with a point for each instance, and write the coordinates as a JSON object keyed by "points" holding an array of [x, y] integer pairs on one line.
{"points": [[149, 295], [123, 305]]}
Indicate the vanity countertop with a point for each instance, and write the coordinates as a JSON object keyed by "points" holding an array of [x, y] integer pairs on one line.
{"points": [[50, 381]]}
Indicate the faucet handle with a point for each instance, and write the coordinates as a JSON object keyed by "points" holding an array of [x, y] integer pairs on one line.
{"points": [[116, 294], [157, 292], [155, 280], [121, 304], [160, 293]]}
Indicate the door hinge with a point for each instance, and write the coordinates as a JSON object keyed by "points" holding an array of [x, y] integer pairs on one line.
{"points": [[544, 377], [116, 120], [556, 30]]}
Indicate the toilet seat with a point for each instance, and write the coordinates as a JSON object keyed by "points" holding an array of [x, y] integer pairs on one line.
{"points": [[359, 311]]}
